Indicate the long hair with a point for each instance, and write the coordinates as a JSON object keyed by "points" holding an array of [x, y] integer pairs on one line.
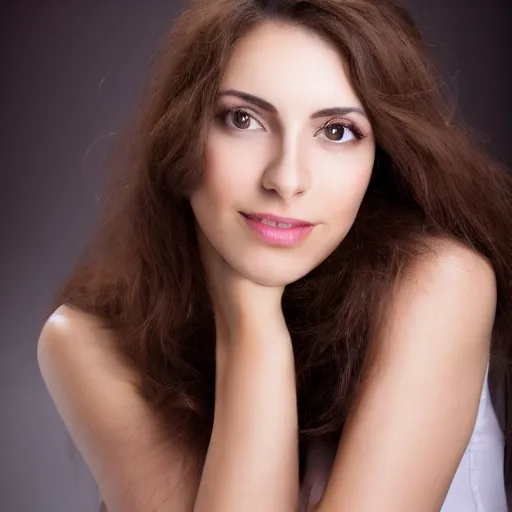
{"points": [[142, 274]]}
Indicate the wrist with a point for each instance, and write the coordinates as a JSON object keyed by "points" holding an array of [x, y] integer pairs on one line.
{"points": [[257, 342], [246, 330]]}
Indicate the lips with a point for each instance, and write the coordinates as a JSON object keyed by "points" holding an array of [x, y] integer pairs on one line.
{"points": [[276, 221], [278, 231]]}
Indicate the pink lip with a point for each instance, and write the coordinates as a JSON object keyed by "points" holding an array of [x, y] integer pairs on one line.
{"points": [[297, 231]]}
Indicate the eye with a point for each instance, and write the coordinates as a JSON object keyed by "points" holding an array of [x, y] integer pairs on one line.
{"points": [[341, 132], [239, 120]]}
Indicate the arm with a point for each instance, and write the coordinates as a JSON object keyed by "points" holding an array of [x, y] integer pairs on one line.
{"points": [[96, 395], [252, 460], [405, 438]]}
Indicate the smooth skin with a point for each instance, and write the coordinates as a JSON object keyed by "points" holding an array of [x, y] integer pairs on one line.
{"points": [[403, 442], [399, 451], [415, 413], [290, 156], [97, 396]]}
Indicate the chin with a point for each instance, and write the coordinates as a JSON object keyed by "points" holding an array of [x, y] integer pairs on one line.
{"points": [[274, 274]]}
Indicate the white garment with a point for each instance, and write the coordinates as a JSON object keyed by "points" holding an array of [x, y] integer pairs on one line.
{"points": [[478, 484]]}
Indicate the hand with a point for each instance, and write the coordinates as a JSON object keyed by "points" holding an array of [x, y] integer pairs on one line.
{"points": [[240, 305]]}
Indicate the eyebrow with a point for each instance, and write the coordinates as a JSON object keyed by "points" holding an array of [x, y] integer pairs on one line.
{"points": [[265, 105]]}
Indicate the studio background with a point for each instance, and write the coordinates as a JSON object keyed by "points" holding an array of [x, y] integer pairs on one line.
{"points": [[71, 76]]}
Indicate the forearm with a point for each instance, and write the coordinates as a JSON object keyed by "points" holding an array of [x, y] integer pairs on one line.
{"points": [[252, 459]]}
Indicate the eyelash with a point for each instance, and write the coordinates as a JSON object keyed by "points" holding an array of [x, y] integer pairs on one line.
{"points": [[359, 135]]}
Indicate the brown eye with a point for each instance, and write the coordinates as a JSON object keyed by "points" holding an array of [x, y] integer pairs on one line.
{"points": [[241, 119], [335, 132]]}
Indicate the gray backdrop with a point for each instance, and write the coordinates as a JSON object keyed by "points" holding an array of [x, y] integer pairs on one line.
{"points": [[70, 76]]}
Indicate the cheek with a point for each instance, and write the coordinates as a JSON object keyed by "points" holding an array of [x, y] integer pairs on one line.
{"points": [[216, 188], [216, 171], [344, 191], [227, 172]]}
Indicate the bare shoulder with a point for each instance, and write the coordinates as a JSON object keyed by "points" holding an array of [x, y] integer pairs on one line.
{"points": [[451, 290], [97, 396], [458, 259], [454, 272], [431, 352], [70, 333], [66, 324]]}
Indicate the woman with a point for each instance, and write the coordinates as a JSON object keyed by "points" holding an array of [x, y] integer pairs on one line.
{"points": [[300, 295]]}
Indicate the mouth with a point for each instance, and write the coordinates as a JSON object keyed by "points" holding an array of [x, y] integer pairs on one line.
{"points": [[278, 231], [275, 221]]}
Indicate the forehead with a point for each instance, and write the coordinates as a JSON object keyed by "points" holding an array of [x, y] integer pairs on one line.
{"points": [[286, 65]]}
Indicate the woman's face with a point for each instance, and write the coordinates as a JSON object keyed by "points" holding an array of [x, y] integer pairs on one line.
{"points": [[288, 158]]}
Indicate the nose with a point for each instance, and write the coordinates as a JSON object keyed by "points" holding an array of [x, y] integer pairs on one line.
{"points": [[287, 175]]}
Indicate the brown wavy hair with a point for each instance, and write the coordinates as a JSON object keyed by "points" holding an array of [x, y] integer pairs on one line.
{"points": [[142, 274]]}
